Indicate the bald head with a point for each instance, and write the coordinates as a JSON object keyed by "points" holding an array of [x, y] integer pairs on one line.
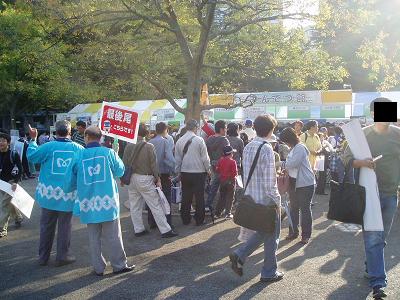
{"points": [[92, 134]]}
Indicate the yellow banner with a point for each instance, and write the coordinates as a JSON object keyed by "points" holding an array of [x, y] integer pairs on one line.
{"points": [[221, 99], [340, 96]]}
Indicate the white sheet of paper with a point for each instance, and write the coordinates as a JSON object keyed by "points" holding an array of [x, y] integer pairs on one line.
{"points": [[23, 201], [6, 187], [360, 149]]}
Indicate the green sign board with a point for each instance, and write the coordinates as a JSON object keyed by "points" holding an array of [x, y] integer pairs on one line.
{"points": [[299, 112], [333, 111]]}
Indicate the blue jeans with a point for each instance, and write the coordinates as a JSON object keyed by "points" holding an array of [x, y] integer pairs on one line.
{"points": [[375, 241], [271, 242], [214, 186]]}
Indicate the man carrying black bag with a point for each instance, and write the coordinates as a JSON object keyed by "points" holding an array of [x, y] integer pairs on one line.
{"points": [[262, 188], [383, 139]]}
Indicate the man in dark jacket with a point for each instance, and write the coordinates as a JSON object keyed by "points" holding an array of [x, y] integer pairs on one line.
{"points": [[10, 171], [215, 148]]}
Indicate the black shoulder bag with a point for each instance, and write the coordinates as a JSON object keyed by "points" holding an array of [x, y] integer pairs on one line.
{"points": [[347, 200], [126, 178], [252, 215]]}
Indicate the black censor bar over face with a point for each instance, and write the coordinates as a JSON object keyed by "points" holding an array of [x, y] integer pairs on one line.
{"points": [[385, 112]]}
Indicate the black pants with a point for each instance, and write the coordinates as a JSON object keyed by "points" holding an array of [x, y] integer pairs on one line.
{"points": [[166, 188], [321, 182], [301, 203], [227, 193], [193, 184], [48, 222]]}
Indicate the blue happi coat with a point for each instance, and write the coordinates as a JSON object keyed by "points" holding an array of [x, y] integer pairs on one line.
{"points": [[55, 157], [93, 171]]}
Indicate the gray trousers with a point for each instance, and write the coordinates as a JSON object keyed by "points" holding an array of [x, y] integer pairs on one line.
{"points": [[111, 233], [48, 221]]}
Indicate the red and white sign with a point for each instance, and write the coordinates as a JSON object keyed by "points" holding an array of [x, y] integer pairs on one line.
{"points": [[119, 122]]}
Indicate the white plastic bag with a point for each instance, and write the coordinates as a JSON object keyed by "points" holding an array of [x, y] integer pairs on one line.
{"points": [[176, 194], [163, 202], [320, 163]]}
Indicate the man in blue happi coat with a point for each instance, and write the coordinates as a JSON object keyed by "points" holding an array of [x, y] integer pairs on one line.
{"points": [[93, 172], [54, 158]]}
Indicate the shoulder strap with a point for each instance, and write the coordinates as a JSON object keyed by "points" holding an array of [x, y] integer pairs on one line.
{"points": [[306, 136], [12, 156], [253, 165], [186, 147], [136, 152]]}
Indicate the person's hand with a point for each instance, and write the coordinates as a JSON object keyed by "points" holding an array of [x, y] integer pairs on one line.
{"points": [[14, 187], [158, 183], [122, 184], [209, 173], [368, 163], [33, 133]]}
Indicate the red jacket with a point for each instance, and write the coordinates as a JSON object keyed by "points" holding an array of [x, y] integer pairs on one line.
{"points": [[227, 168]]}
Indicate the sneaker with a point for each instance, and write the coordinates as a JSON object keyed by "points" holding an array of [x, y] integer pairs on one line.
{"points": [[97, 274], [3, 233], [169, 234], [69, 260], [142, 233], [229, 216], [278, 276], [378, 292], [237, 265], [125, 270]]}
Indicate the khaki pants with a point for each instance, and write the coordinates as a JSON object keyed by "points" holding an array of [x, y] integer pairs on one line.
{"points": [[142, 189], [7, 210]]}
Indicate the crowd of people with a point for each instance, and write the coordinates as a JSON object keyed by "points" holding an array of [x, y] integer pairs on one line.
{"points": [[78, 172]]}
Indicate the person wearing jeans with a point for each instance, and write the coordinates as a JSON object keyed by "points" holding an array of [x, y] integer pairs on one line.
{"points": [[263, 189], [383, 139], [298, 167]]}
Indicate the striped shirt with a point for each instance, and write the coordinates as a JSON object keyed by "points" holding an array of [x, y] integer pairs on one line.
{"points": [[79, 139], [262, 187]]}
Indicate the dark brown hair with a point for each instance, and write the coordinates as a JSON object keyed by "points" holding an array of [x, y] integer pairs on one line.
{"points": [[289, 136], [264, 124]]}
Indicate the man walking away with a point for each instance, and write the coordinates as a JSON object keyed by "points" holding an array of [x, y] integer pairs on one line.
{"points": [[192, 164], [249, 131], [54, 158], [311, 140], [141, 157], [263, 189]]}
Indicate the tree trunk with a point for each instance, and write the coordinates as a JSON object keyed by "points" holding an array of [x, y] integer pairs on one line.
{"points": [[193, 97], [13, 122]]}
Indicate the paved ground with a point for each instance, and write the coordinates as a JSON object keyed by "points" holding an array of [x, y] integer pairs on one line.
{"points": [[195, 265]]}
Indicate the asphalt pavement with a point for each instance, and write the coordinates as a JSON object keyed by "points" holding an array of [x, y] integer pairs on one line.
{"points": [[195, 265]]}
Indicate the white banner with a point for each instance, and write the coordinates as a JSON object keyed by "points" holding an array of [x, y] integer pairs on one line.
{"points": [[281, 98], [360, 149]]}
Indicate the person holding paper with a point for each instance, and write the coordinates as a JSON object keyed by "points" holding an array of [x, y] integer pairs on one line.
{"points": [[93, 173], [383, 139], [10, 171], [54, 158]]}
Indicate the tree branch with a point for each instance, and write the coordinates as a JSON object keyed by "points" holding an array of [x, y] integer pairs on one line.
{"points": [[163, 93]]}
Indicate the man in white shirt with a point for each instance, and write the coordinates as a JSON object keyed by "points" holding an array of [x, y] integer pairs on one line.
{"points": [[251, 134], [193, 164]]}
